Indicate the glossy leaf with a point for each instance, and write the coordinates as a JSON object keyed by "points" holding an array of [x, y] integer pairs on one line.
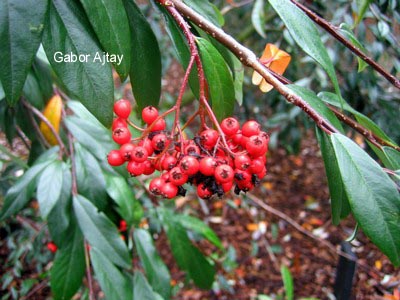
{"points": [[69, 266], [110, 22], [348, 33], [362, 6], [42, 72], [287, 282], [128, 206], [207, 10], [113, 283], [393, 157], [306, 35], [339, 203], [100, 232], [258, 17], [219, 78], [31, 91], [142, 289], [19, 194], [317, 104], [145, 70], [21, 27], [49, 187], [199, 227], [156, 270], [68, 32], [373, 197], [188, 257]]}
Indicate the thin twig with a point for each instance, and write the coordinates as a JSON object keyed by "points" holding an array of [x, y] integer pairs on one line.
{"points": [[89, 272], [42, 140], [23, 137], [334, 31], [36, 289], [74, 186]]}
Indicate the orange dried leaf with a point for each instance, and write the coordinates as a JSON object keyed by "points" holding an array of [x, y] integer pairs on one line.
{"points": [[252, 227], [52, 112], [274, 59]]}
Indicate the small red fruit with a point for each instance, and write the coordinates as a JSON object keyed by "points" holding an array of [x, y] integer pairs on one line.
{"points": [[256, 146], [169, 190], [121, 135], [135, 168], [209, 138], [156, 185], [177, 177], [230, 126], [149, 114], [52, 247], [189, 165], [168, 162], [139, 154], [122, 108], [223, 174], [126, 150], [242, 162], [207, 166], [226, 187], [114, 158], [159, 142], [148, 168], [119, 122], [159, 125], [123, 226], [203, 191], [251, 128]]}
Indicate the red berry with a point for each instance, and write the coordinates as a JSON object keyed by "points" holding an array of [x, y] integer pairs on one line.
{"points": [[251, 128], [126, 150], [230, 126], [257, 165], [139, 154], [119, 122], [209, 138], [146, 144], [256, 146], [135, 168], [189, 165], [262, 173], [52, 247], [168, 162], [159, 142], [169, 190], [223, 174], [156, 185], [207, 166], [226, 187], [203, 191], [123, 226], [245, 186], [242, 162], [121, 135], [191, 149], [148, 168], [177, 177], [114, 158], [242, 176], [149, 114], [159, 125], [237, 137], [122, 108]]}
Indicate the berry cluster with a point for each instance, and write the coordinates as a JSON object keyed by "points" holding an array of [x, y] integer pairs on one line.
{"points": [[213, 162]]}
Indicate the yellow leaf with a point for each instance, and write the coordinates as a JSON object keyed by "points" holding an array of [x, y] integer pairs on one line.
{"points": [[52, 112], [274, 59]]}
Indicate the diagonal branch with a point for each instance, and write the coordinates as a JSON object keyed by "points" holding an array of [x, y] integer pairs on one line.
{"points": [[334, 31]]}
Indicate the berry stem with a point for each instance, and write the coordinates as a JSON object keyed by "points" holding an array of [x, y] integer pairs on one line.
{"points": [[134, 125]]}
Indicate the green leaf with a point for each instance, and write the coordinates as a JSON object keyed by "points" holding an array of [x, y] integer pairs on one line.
{"points": [[181, 49], [319, 106], [348, 33], [199, 227], [207, 10], [59, 217], [393, 157], [145, 70], [68, 36], [220, 79], [362, 6], [142, 289], [306, 35], [156, 270], [339, 203], [69, 266], [21, 27], [188, 257], [110, 22], [113, 283], [258, 17], [101, 232], [49, 187], [129, 207], [373, 197], [42, 72], [90, 179], [287, 282], [32, 92], [20, 193]]}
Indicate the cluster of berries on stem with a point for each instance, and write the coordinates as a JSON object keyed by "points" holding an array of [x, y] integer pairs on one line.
{"points": [[215, 161]]}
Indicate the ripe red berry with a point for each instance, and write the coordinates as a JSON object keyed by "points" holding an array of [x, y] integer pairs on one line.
{"points": [[168, 162], [119, 122], [242, 162], [191, 149], [256, 146], [223, 174], [126, 150], [177, 177], [159, 142], [251, 128], [230, 126], [122, 108], [148, 168], [52, 247], [123, 226], [207, 166], [242, 176], [203, 191], [169, 190], [159, 125], [146, 144], [189, 165], [209, 138], [156, 185], [149, 114], [121, 135], [139, 154], [135, 168], [114, 158], [226, 187], [262, 173], [257, 165]]}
